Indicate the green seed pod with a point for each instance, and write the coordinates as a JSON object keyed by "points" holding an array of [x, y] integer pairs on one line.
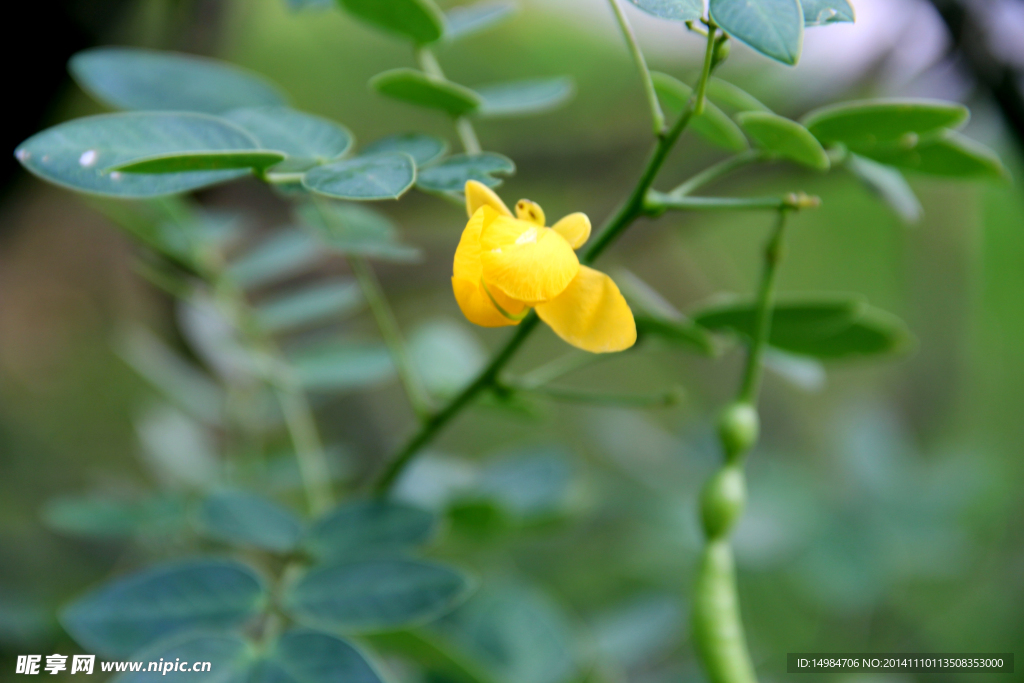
{"points": [[717, 627], [722, 501], [721, 52], [738, 427]]}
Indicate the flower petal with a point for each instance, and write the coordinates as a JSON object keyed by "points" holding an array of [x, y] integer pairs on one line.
{"points": [[591, 314], [527, 262], [476, 305], [575, 228], [478, 194]]}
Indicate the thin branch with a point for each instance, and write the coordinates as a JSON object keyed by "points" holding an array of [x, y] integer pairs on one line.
{"points": [[719, 170], [657, 115]]}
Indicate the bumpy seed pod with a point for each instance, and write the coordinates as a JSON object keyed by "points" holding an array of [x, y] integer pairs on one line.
{"points": [[738, 428], [722, 501], [717, 627]]}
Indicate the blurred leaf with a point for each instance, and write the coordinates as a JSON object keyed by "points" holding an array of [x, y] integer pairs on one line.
{"points": [[131, 612], [366, 178], [432, 653], [358, 231], [806, 374], [306, 656], [282, 255], [95, 516], [343, 367], [530, 483], [467, 20], [680, 10], [184, 162], [522, 98], [732, 96], [75, 154], [309, 305], [775, 28], [657, 317], [302, 136], [376, 594], [180, 452], [828, 328], [415, 87], [139, 79], [418, 20], [447, 355], [243, 518], [947, 154], [478, 519], [889, 184], [822, 12], [514, 633], [215, 339], [451, 174], [362, 526], [713, 125], [640, 630], [229, 656], [784, 137], [422, 148], [863, 124]]}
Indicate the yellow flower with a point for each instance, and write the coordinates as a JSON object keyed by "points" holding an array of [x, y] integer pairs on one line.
{"points": [[505, 265]]}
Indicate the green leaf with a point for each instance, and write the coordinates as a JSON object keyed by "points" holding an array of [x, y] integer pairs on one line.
{"points": [[229, 656], [947, 154], [415, 87], [131, 612], [183, 162], [422, 148], [784, 137], [302, 136], [418, 20], [138, 79], [732, 96], [889, 184], [303, 655], [245, 519], [864, 124], [344, 367], [363, 526], [522, 98], [94, 516], [529, 483], [775, 28], [447, 355], [75, 154], [376, 594], [432, 653], [823, 12], [309, 305], [656, 317], [467, 20], [358, 231], [365, 178], [452, 174], [679, 10], [824, 327], [282, 255], [713, 125]]}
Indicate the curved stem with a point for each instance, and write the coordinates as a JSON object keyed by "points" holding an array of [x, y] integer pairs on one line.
{"points": [[657, 202], [713, 173], [657, 115]]}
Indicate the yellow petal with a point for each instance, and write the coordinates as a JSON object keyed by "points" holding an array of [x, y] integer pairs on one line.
{"points": [[478, 194], [476, 305], [591, 314], [524, 261], [575, 228], [530, 212]]}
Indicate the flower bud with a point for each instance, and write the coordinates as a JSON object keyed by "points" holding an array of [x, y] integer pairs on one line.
{"points": [[722, 501], [738, 428]]}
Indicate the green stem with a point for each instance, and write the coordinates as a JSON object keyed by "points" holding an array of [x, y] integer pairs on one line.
{"points": [[309, 450], [463, 126], [657, 115], [559, 367], [657, 203], [719, 170], [630, 210], [667, 398], [388, 326]]}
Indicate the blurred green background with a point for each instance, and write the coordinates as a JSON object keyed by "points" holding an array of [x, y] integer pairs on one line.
{"points": [[885, 513]]}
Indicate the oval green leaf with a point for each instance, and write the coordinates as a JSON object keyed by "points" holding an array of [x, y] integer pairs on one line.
{"points": [[229, 656], [300, 135], [365, 178], [369, 526], [415, 87], [452, 174], [775, 28], [467, 20], [242, 518], [948, 154], [131, 612], [678, 10], [713, 125], [732, 96], [97, 517], [376, 594], [343, 367], [823, 12], [422, 148], [76, 154], [864, 124], [784, 137], [889, 184], [309, 305], [303, 655], [418, 20], [358, 231], [184, 162], [139, 79], [522, 98]]}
